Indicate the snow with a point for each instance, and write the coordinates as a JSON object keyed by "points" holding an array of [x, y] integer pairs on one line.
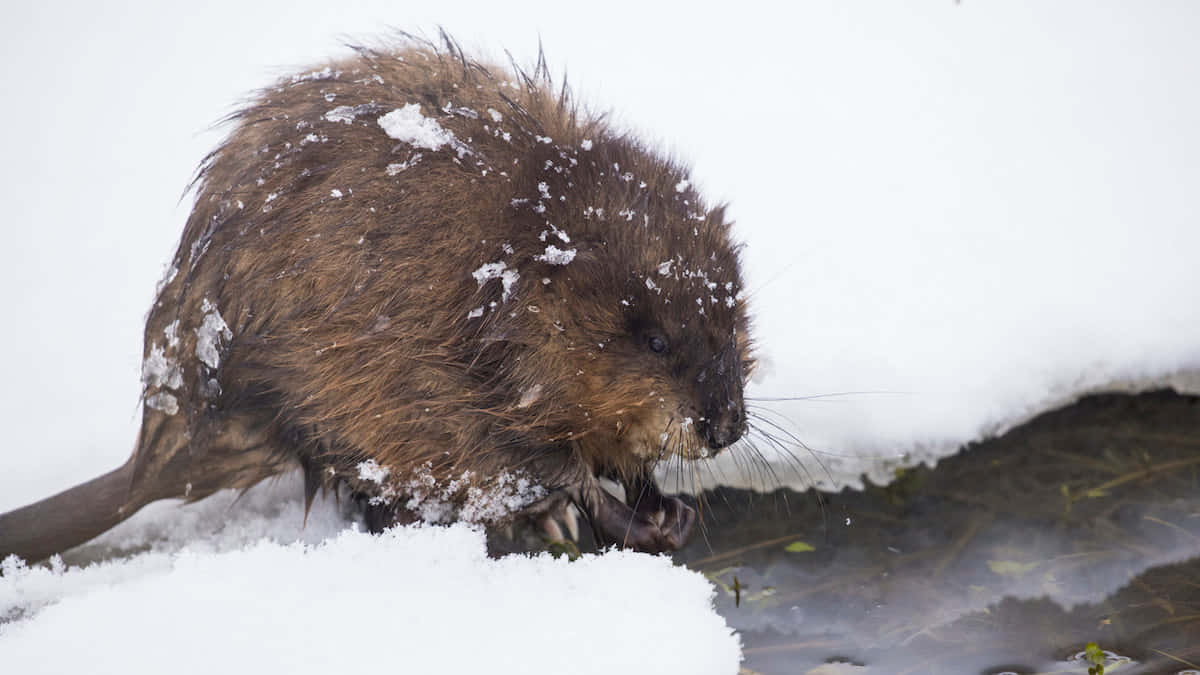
{"points": [[408, 125], [210, 334], [343, 114], [497, 270], [372, 471], [158, 370], [468, 497], [171, 332], [164, 401], [396, 167], [323, 74], [492, 502], [566, 239], [557, 256], [944, 236], [415, 599]]}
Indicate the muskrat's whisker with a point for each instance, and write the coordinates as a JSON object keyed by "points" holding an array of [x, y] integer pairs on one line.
{"points": [[761, 458], [668, 435], [775, 418], [778, 275], [691, 467], [836, 394], [795, 464], [792, 460], [716, 482], [745, 462], [735, 455], [782, 446], [754, 411], [758, 460], [700, 516], [688, 445], [743, 459], [678, 473], [768, 468], [807, 473], [723, 479], [662, 452], [681, 449], [702, 501]]}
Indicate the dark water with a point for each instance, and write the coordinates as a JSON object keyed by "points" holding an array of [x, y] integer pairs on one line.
{"points": [[1080, 526]]}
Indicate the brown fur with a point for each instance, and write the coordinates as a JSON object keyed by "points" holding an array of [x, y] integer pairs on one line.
{"points": [[350, 328]]}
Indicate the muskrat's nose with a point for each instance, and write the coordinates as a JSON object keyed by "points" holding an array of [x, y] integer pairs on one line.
{"points": [[722, 428]]}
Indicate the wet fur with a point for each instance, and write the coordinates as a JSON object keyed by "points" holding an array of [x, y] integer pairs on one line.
{"points": [[351, 336]]}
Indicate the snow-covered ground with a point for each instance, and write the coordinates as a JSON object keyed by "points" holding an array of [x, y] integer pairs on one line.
{"points": [[966, 212], [218, 592]]}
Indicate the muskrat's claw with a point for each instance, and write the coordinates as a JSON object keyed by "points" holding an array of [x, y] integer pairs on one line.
{"points": [[570, 518], [549, 527], [562, 515]]}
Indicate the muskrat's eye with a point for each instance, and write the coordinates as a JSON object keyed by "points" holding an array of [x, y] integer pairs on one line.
{"points": [[657, 344]]}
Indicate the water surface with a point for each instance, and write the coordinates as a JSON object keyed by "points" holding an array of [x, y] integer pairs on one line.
{"points": [[1081, 526]]}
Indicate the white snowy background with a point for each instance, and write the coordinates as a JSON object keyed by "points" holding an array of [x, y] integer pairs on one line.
{"points": [[972, 211]]}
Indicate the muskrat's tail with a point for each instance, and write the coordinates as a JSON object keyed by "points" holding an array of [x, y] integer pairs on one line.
{"points": [[69, 518]]}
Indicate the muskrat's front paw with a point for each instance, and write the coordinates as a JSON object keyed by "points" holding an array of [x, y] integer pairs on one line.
{"points": [[660, 528], [678, 521]]}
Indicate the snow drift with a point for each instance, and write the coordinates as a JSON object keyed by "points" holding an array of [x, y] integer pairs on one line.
{"points": [[220, 590]]}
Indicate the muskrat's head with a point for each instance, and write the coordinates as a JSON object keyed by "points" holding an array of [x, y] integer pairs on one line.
{"points": [[647, 315]]}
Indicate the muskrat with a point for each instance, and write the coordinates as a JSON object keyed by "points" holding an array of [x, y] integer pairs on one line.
{"points": [[458, 294]]}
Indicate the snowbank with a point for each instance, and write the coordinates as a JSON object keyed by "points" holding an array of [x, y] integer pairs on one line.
{"points": [[222, 594]]}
